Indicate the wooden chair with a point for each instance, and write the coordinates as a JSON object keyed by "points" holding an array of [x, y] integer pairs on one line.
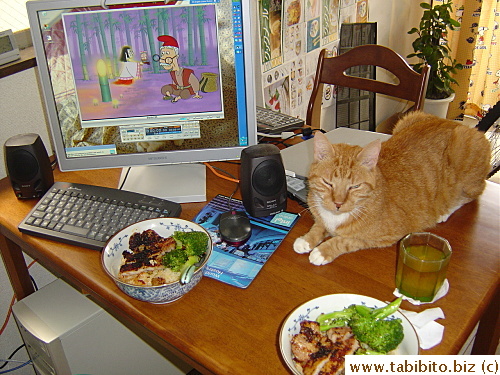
{"points": [[332, 70]]}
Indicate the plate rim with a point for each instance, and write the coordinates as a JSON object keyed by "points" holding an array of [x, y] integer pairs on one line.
{"points": [[337, 295]]}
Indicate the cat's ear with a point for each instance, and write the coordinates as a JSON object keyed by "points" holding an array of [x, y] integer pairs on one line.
{"points": [[369, 155], [322, 147]]}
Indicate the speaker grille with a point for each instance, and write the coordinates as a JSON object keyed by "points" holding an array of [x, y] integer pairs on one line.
{"points": [[262, 180], [267, 179], [22, 165]]}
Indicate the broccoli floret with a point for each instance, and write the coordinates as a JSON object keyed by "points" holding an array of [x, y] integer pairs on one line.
{"points": [[364, 351], [380, 335], [190, 246], [175, 259], [369, 326], [193, 243], [336, 318]]}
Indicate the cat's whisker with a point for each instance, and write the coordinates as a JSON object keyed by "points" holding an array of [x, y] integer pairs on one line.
{"points": [[359, 214]]}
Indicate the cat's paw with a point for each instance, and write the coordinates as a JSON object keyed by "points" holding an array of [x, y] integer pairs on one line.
{"points": [[317, 258], [301, 246], [443, 218]]}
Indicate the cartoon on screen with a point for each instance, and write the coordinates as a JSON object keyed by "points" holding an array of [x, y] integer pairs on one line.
{"points": [[144, 61]]}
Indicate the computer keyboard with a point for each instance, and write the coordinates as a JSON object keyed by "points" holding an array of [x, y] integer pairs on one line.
{"points": [[87, 215], [271, 122]]}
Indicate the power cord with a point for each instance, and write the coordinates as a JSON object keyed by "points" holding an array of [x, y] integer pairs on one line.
{"points": [[281, 139], [232, 178]]}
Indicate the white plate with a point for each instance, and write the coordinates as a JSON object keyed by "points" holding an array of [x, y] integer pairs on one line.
{"points": [[336, 302]]}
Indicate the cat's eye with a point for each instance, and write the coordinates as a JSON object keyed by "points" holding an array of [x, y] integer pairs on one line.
{"points": [[354, 186], [329, 184]]}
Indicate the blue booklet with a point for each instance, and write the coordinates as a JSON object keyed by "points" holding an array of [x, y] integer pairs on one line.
{"points": [[238, 265]]}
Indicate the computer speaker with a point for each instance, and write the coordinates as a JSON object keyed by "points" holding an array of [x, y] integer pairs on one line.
{"points": [[28, 165], [263, 180]]}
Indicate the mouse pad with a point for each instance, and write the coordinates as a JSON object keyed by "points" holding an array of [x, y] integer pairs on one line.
{"points": [[239, 265]]}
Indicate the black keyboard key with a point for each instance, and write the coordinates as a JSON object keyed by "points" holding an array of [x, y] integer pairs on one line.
{"points": [[73, 229], [87, 215]]}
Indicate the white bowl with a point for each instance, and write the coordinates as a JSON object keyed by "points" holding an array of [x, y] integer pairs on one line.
{"points": [[336, 302], [112, 257]]}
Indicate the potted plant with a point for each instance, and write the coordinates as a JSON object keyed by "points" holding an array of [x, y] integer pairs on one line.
{"points": [[431, 47]]}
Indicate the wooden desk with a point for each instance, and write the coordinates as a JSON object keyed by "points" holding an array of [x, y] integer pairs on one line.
{"points": [[221, 329]]}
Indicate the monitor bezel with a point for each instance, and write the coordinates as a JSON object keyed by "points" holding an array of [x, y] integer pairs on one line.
{"points": [[136, 159]]}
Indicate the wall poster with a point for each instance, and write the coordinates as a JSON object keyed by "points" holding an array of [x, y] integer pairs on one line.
{"points": [[292, 33]]}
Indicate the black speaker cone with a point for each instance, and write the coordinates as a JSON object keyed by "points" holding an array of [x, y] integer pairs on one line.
{"points": [[267, 179], [23, 165]]}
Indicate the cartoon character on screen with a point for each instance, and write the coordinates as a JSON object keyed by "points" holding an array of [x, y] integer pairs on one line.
{"points": [[130, 68], [184, 83], [144, 61]]}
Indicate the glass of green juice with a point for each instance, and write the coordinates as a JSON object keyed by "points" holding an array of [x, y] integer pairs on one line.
{"points": [[423, 259]]}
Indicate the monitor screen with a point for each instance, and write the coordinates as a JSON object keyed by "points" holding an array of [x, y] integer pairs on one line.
{"points": [[146, 84]]}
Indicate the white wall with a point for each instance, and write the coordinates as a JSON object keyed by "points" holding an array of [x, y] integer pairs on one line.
{"points": [[21, 111]]}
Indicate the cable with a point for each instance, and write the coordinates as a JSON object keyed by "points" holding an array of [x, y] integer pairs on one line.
{"points": [[214, 170], [34, 283], [232, 178], [16, 368], [53, 164], [124, 178], [10, 356], [9, 311]]}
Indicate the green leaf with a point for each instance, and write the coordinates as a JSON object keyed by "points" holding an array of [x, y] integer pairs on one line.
{"points": [[431, 47]]}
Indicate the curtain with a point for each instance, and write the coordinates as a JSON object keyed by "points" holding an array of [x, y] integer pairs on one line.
{"points": [[475, 46]]}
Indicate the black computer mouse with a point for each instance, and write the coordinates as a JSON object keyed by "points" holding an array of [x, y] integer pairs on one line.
{"points": [[235, 227]]}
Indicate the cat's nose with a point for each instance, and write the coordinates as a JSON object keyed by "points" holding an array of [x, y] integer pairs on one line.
{"points": [[338, 205]]}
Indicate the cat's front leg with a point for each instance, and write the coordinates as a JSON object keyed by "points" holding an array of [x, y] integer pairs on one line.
{"points": [[311, 239], [327, 251]]}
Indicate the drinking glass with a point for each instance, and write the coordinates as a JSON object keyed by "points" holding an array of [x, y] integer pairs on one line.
{"points": [[422, 263]]}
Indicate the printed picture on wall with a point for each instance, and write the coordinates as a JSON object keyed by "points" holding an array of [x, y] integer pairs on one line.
{"points": [[271, 30]]}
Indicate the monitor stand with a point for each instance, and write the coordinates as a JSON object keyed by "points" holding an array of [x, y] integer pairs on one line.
{"points": [[180, 183]]}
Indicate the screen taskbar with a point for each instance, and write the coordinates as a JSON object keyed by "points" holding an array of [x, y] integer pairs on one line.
{"points": [[239, 62]]}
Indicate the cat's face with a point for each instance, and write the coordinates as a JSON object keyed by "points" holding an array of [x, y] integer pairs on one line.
{"points": [[342, 177]]}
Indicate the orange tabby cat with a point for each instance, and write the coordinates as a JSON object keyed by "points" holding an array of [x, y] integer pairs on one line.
{"points": [[373, 196]]}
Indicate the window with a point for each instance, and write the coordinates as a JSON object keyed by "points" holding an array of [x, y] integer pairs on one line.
{"points": [[14, 15]]}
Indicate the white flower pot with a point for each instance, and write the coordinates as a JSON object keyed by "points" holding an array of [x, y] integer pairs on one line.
{"points": [[438, 107]]}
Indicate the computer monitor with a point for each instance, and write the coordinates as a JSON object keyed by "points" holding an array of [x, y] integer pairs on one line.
{"points": [[157, 88]]}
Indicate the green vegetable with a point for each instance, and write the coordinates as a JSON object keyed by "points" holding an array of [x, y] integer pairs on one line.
{"points": [[336, 318], [194, 243], [192, 259], [189, 249], [364, 351], [175, 259], [380, 335], [369, 325]]}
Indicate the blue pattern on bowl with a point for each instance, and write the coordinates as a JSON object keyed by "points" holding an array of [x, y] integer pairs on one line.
{"points": [[112, 256]]}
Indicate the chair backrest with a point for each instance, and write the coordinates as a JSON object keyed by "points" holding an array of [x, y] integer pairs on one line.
{"points": [[332, 70]]}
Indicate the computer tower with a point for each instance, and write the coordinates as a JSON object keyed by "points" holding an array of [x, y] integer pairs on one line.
{"points": [[67, 333]]}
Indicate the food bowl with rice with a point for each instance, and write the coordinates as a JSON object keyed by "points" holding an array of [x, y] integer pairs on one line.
{"points": [[147, 260]]}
